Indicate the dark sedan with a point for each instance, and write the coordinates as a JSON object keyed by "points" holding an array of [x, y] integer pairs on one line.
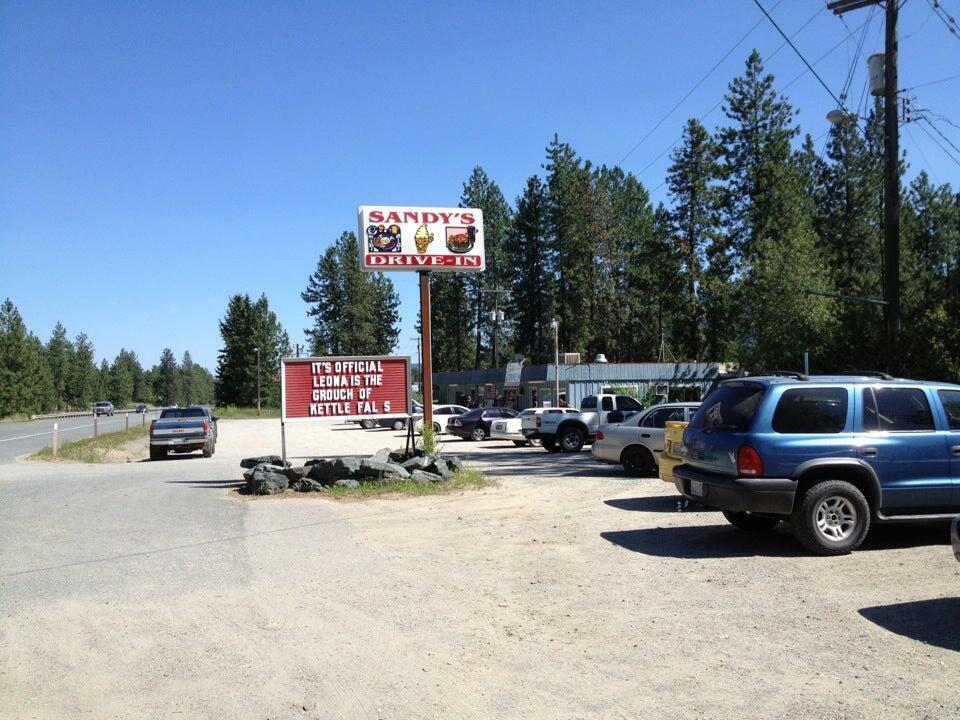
{"points": [[475, 425]]}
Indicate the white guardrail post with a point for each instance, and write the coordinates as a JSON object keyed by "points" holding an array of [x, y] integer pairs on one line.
{"points": [[56, 439], [126, 420]]}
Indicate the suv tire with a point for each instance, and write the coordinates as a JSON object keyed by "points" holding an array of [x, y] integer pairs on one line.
{"points": [[157, 454], [752, 523], [399, 424], [831, 518], [550, 445], [571, 440], [638, 462], [208, 450], [478, 434]]}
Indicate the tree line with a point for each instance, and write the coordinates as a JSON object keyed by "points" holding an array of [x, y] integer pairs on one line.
{"points": [[62, 374], [758, 222]]}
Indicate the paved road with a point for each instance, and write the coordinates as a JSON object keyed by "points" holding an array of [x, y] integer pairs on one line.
{"points": [[18, 439]]}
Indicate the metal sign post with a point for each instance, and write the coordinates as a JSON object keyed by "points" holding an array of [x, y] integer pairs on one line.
{"points": [[426, 351]]}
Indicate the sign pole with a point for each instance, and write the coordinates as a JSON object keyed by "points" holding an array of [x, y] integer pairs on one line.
{"points": [[283, 441], [426, 350]]}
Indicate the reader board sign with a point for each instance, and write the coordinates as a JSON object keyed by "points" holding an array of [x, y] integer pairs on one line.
{"points": [[346, 388], [421, 238], [512, 376]]}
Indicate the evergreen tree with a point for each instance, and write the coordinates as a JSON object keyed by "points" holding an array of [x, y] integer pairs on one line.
{"points": [[84, 385], [695, 224], [165, 383], [187, 377], [453, 321], [479, 191], [103, 381], [120, 390], [26, 384], [59, 353], [354, 312], [531, 299]]}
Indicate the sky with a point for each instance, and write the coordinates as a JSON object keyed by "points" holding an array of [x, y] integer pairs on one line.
{"points": [[156, 158]]}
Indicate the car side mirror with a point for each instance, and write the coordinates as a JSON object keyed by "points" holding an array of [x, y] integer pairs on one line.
{"points": [[214, 418], [615, 417]]}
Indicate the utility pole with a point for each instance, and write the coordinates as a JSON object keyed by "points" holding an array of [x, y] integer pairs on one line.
{"points": [[891, 176], [555, 324], [496, 316]]}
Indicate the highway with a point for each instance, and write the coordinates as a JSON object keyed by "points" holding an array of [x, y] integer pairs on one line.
{"points": [[23, 438]]}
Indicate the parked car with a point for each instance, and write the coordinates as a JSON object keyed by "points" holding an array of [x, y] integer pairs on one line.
{"points": [[103, 408], [396, 422], [637, 442], [442, 413], [475, 424], [829, 454], [670, 457], [570, 431], [141, 408], [512, 428], [183, 430]]}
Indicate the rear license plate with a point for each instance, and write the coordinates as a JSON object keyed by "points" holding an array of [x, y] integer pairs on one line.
{"points": [[696, 488], [176, 440]]}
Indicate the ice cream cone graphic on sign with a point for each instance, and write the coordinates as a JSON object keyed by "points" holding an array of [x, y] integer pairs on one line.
{"points": [[422, 238]]}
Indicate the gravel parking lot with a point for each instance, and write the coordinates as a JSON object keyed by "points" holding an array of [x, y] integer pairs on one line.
{"points": [[150, 590]]}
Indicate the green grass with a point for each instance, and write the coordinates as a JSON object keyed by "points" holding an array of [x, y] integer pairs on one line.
{"points": [[92, 450], [465, 479], [15, 418], [230, 412]]}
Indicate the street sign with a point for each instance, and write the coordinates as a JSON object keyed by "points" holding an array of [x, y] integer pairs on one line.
{"points": [[421, 238], [346, 388], [512, 377]]}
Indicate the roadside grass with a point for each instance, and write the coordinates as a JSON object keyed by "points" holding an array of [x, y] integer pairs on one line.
{"points": [[15, 418], [92, 450], [231, 412], [463, 479]]}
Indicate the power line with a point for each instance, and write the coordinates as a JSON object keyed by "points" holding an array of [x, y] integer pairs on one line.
{"points": [[932, 82], [799, 54], [938, 144], [694, 88], [945, 17], [947, 140]]}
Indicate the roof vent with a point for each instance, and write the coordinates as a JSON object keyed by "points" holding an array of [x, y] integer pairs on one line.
{"points": [[600, 358]]}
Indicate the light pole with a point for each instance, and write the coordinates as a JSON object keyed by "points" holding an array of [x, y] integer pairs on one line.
{"points": [[555, 324], [257, 351]]}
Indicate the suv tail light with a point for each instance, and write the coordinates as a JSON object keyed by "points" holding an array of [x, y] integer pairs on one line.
{"points": [[749, 463], [206, 427], [153, 426], [599, 434]]}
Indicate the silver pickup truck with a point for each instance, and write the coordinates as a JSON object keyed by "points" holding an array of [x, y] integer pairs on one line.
{"points": [[183, 430], [568, 430]]}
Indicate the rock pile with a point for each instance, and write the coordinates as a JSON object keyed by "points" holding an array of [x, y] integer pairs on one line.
{"points": [[271, 475]]}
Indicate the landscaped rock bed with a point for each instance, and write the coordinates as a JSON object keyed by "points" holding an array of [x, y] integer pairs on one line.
{"points": [[271, 475]]}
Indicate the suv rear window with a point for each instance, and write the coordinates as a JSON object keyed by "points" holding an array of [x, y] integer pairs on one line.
{"points": [[890, 409], [951, 405], [173, 413], [730, 407], [811, 410]]}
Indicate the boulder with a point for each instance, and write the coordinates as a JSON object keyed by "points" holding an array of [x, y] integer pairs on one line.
{"points": [[419, 476], [398, 457], [454, 463], [266, 467], [372, 469], [381, 455], [252, 462], [264, 482], [348, 466], [295, 473], [347, 483], [415, 463], [307, 485], [439, 467]]}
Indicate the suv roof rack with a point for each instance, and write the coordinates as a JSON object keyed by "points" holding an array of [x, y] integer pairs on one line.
{"points": [[866, 373], [784, 373]]}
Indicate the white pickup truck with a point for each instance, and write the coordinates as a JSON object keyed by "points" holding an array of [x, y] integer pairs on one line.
{"points": [[567, 430]]}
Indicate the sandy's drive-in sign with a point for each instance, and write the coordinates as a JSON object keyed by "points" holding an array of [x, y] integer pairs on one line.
{"points": [[348, 388], [421, 238]]}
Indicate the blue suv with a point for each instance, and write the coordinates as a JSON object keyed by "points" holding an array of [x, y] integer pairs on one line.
{"points": [[828, 454]]}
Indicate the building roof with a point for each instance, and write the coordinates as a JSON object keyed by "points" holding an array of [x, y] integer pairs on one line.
{"points": [[671, 372]]}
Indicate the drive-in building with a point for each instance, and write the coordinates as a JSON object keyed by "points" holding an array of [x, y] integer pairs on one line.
{"points": [[665, 380]]}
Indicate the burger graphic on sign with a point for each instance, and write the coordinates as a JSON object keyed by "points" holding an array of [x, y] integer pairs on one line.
{"points": [[383, 238], [461, 239]]}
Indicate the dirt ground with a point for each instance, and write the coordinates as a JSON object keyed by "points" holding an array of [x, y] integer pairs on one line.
{"points": [[567, 591]]}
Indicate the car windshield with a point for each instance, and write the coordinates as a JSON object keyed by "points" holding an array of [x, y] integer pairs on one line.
{"points": [[175, 413], [730, 407], [475, 413]]}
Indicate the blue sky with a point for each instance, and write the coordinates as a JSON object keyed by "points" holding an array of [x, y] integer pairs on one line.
{"points": [[158, 157]]}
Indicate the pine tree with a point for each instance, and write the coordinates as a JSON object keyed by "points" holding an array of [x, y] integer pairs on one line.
{"points": [[84, 385], [120, 384], [354, 312], [26, 384], [165, 383], [531, 299], [695, 224], [59, 353], [479, 191], [187, 377]]}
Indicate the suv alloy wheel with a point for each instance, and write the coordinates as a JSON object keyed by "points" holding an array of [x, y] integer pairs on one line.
{"points": [[571, 440], [831, 518]]}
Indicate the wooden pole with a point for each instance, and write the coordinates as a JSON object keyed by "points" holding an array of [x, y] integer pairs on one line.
{"points": [[426, 350], [56, 439], [891, 193]]}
